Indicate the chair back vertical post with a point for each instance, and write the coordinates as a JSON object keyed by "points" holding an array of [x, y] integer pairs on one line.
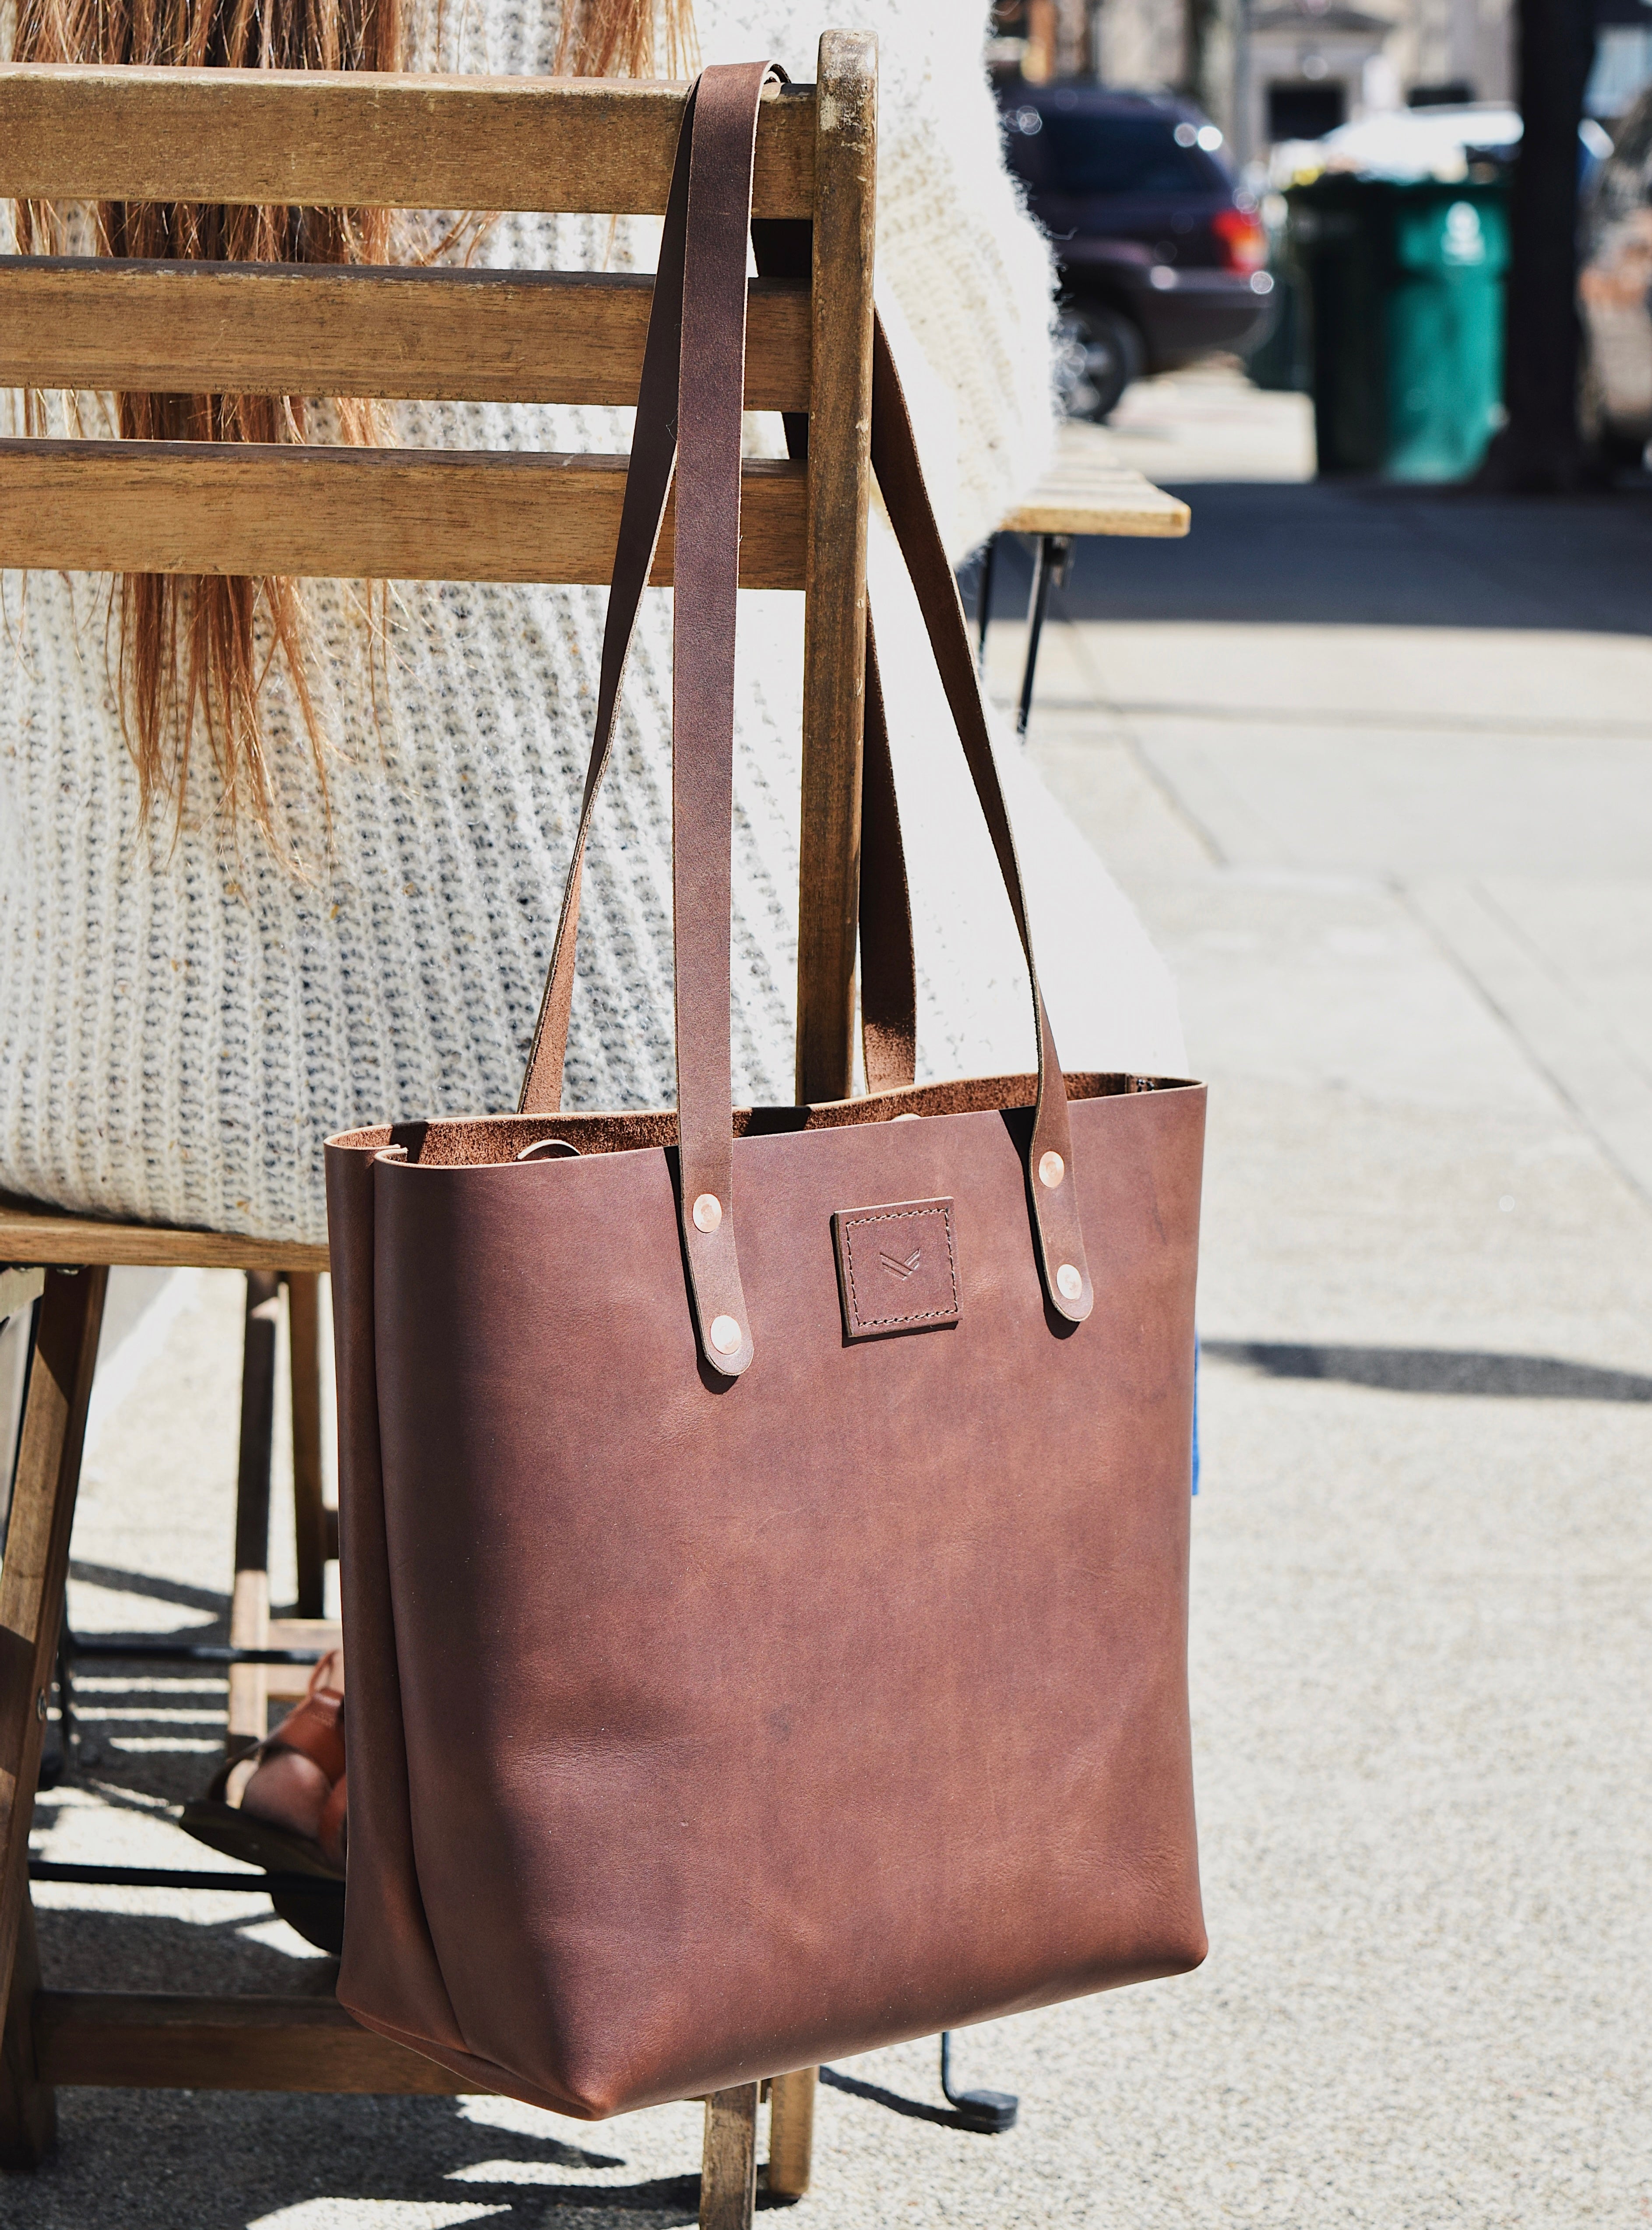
{"points": [[834, 655], [249, 1603], [309, 1507], [28, 2105], [35, 1569]]}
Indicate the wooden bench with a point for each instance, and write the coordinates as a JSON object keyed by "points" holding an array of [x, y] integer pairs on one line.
{"points": [[1087, 490]]}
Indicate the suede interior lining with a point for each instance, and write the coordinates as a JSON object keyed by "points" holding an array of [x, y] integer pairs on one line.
{"points": [[480, 1141]]}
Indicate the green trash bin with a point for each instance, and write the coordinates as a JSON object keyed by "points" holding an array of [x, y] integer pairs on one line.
{"points": [[1404, 287]]}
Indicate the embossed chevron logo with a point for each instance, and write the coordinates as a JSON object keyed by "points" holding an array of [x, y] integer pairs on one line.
{"points": [[898, 1267]]}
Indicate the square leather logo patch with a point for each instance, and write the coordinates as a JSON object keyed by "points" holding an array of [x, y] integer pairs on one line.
{"points": [[898, 1267]]}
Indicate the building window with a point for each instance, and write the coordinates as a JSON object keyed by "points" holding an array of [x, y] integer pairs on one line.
{"points": [[1306, 112]]}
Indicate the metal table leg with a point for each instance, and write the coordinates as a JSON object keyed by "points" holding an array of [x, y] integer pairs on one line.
{"points": [[1049, 568], [983, 2110]]}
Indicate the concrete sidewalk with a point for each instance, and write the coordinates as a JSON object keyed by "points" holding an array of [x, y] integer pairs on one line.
{"points": [[1377, 775], [1398, 843]]}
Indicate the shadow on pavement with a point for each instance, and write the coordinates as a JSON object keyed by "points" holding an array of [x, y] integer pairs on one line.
{"points": [[83, 1948], [916, 2109], [1330, 552], [1436, 1370]]}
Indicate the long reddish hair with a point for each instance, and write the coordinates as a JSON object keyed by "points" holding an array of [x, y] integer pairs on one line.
{"points": [[189, 660]]}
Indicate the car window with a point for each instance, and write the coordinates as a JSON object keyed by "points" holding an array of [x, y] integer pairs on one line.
{"points": [[1121, 155]]}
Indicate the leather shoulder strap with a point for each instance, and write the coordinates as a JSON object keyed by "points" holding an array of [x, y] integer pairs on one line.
{"points": [[900, 476], [654, 460], [710, 395]]}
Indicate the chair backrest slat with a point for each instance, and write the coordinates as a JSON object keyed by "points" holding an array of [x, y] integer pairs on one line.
{"points": [[293, 329], [357, 514], [362, 139]]}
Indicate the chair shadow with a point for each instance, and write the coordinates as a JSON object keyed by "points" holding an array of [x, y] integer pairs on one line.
{"points": [[1436, 1370], [120, 1582], [220, 2160], [230, 2159]]}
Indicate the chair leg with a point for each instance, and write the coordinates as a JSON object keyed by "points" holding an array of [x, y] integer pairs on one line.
{"points": [[729, 2164], [309, 1510], [28, 2107], [791, 2132], [249, 1606], [35, 1568], [984, 598]]}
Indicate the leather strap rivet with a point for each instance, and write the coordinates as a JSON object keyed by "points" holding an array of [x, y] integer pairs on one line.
{"points": [[725, 1333], [1052, 1169], [708, 1214], [1069, 1284]]}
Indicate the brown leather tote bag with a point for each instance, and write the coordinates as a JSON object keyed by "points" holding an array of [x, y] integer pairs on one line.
{"points": [[765, 1535]]}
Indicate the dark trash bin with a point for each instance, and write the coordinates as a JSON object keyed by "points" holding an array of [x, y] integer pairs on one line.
{"points": [[1404, 298], [1280, 363]]}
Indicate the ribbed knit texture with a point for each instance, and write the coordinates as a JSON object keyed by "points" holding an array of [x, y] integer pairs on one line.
{"points": [[184, 1022]]}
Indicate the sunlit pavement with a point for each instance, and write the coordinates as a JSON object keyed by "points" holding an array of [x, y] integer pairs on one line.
{"points": [[1377, 768]]}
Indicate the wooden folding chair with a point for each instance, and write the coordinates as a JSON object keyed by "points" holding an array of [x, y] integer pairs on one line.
{"points": [[360, 140]]}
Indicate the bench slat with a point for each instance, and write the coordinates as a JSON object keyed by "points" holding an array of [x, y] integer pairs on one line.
{"points": [[1090, 490], [356, 514], [291, 329], [358, 138]]}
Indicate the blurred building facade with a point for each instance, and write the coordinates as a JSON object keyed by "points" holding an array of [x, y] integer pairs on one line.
{"points": [[1273, 69]]}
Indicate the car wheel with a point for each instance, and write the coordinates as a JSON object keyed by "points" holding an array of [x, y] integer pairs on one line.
{"points": [[1098, 353]]}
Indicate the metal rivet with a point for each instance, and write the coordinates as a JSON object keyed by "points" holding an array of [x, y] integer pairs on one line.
{"points": [[1052, 1169], [725, 1332], [708, 1212], [1069, 1284], [40, 1705]]}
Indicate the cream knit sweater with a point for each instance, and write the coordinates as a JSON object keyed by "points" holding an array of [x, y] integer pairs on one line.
{"points": [[183, 1024]]}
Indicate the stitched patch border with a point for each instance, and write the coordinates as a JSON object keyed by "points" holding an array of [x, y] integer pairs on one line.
{"points": [[885, 1288]]}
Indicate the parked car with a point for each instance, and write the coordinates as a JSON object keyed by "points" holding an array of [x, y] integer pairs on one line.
{"points": [[1161, 260], [1615, 294]]}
